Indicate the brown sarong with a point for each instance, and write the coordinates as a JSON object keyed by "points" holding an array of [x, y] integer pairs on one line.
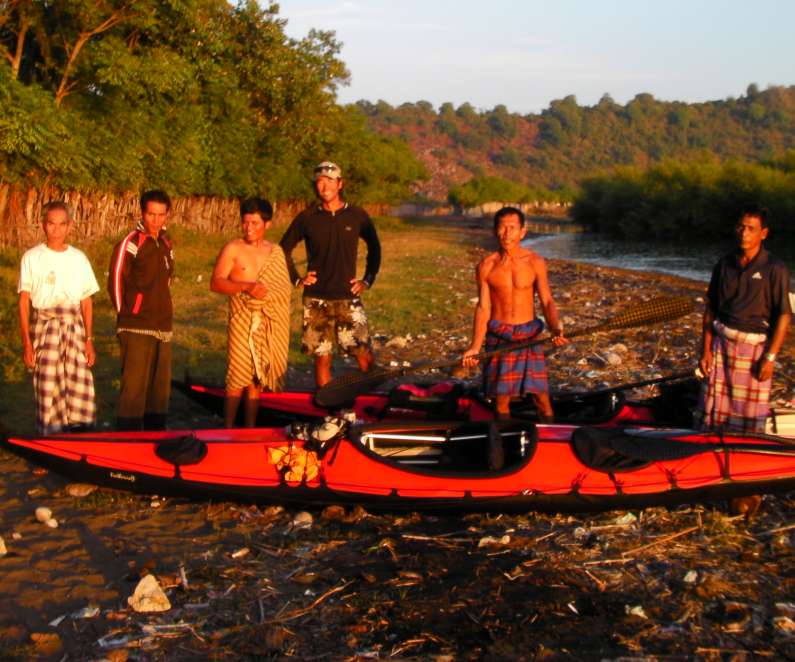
{"points": [[259, 330]]}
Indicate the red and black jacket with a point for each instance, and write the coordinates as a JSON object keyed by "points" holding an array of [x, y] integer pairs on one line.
{"points": [[139, 281]]}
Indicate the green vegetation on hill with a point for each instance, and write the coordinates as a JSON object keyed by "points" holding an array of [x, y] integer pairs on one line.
{"points": [[479, 190], [567, 142], [685, 201], [197, 97]]}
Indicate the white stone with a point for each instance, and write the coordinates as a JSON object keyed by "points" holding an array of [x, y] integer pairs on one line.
{"points": [[52, 523], [148, 596], [614, 359], [302, 520], [43, 514], [80, 489], [637, 610], [487, 541], [398, 341], [619, 347]]}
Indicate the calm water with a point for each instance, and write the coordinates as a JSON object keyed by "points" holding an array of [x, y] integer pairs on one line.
{"points": [[688, 261]]}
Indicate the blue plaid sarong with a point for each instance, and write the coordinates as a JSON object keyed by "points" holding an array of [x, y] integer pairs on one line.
{"points": [[520, 371]]}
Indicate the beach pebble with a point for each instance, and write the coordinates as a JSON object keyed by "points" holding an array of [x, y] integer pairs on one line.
{"points": [[80, 489], [691, 577], [52, 523], [3, 550], [619, 347], [148, 596], [398, 341], [43, 514], [614, 359], [16, 535], [637, 610], [487, 541], [784, 623], [302, 520]]}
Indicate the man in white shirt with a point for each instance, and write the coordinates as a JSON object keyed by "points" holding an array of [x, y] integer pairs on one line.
{"points": [[56, 318]]}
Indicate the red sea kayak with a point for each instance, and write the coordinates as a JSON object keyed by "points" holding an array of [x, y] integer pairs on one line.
{"points": [[428, 465], [448, 401]]}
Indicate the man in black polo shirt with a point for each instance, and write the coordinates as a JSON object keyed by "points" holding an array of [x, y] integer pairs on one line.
{"points": [[746, 320], [332, 307]]}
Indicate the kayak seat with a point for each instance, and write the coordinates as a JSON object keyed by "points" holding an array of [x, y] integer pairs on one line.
{"points": [[613, 450], [439, 401], [676, 402], [182, 451], [575, 408]]}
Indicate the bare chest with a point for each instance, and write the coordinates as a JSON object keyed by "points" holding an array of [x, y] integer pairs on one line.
{"points": [[512, 274]]}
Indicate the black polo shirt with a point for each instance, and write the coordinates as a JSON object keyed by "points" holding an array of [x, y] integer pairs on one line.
{"points": [[749, 298], [332, 242]]}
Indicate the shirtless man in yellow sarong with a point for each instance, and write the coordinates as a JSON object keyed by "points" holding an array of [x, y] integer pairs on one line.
{"points": [[253, 273]]}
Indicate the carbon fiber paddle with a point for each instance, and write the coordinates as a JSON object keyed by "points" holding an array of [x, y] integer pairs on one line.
{"points": [[344, 389]]}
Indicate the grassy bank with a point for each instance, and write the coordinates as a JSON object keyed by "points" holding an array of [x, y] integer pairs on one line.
{"points": [[424, 284]]}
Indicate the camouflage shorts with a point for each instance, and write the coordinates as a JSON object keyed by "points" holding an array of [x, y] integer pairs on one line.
{"points": [[325, 320]]}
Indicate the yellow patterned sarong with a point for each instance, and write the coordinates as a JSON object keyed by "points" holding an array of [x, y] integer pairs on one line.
{"points": [[259, 330]]}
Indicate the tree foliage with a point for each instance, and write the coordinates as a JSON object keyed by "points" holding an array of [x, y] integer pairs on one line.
{"points": [[675, 200], [195, 96], [479, 190]]}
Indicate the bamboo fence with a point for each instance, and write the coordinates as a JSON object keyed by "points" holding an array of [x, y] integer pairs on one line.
{"points": [[100, 214]]}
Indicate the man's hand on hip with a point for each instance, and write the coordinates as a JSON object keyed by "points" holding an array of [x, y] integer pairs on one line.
{"points": [[358, 286]]}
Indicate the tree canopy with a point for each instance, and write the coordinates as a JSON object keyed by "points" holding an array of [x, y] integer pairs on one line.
{"points": [[194, 96], [567, 142]]}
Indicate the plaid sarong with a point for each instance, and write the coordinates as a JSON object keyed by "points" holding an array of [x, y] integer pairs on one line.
{"points": [[733, 398], [62, 382], [520, 371]]}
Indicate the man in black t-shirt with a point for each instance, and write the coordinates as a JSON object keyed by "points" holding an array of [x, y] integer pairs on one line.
{"points": [[745, 323], [332, 306]]}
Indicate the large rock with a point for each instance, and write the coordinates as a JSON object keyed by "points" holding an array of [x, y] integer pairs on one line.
{"points": [[148, 596]]}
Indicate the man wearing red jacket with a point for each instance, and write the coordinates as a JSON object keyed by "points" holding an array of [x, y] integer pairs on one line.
{"points": [[139, 280]]}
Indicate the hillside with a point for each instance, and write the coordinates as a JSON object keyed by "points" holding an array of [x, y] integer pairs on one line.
{"points": [[566, 142]]}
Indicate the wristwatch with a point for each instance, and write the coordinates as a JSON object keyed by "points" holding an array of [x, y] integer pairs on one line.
{"points": [[770, 357]]}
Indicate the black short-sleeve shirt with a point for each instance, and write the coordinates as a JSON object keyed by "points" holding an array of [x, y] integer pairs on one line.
{"points": [[749, 298]]}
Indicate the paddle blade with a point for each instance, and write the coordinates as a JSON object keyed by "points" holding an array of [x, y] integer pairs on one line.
{"points": [[342, 391], [661, 309]]}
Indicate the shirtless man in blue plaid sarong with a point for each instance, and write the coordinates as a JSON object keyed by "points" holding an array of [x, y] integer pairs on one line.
{"points": [[508, 281]]}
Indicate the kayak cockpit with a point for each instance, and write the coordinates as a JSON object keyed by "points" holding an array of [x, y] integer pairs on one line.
{"points": [[450, 447]]}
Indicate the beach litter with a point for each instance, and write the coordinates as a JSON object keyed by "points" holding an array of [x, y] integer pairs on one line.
{"points": [[148, 596]]}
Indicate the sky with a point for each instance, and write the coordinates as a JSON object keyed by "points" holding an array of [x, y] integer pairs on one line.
{"points": [[525, 53]]}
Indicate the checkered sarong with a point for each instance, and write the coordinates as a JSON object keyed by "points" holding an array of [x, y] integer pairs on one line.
{"points": [[62, 382], [733, 398], [518, 372]]}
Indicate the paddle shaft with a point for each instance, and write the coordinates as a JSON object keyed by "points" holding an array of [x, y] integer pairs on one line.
{"points": [[623, 387], [344, 389]]}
